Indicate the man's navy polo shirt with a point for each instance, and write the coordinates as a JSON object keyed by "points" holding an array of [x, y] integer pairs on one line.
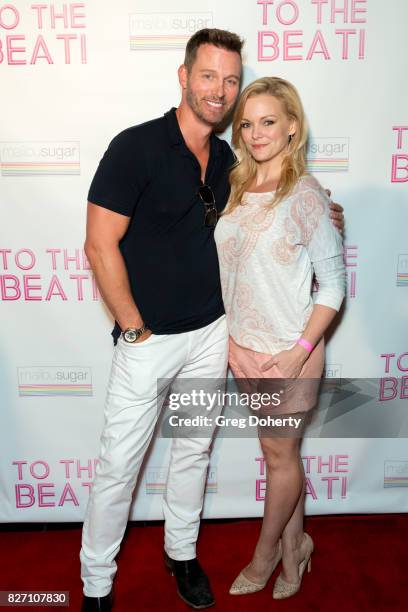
{"points": [[149, 175]]}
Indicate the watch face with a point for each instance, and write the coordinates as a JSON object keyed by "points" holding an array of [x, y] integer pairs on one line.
{"points": [[130, 335]]}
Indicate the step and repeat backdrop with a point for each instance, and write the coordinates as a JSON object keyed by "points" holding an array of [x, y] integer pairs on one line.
{"points": [[75, 74]]}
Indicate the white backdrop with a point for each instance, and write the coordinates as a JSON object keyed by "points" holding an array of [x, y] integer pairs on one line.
{"points": [[75, 74]]}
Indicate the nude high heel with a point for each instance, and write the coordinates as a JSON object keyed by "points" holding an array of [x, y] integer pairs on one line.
{"points": [[283, 589], [243, 586]]}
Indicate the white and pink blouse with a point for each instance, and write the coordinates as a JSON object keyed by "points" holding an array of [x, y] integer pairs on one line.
{"points": [[267, 259]]}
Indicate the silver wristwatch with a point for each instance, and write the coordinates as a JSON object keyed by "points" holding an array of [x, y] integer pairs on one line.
{"points": [[131, 334]]}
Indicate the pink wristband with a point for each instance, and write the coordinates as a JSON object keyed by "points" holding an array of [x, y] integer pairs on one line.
{"points": [[306, 344]]}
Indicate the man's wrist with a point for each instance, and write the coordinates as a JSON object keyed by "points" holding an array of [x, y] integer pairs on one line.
{"points": [[132, 325]]}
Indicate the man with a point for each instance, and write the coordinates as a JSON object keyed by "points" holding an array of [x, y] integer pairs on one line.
{"points": [[151, 214]]}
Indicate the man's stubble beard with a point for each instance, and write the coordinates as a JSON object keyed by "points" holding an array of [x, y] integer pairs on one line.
{"points": [[193, 102]]}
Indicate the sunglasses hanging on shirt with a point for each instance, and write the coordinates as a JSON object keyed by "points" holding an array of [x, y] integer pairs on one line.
{"points": [[207, 197]]}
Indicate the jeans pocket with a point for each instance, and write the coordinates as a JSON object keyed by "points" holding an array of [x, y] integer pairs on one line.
{"points": [[133, 345]]}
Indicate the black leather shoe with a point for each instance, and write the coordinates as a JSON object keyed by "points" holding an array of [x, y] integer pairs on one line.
{"points": [[97, 604], [192, 584]]}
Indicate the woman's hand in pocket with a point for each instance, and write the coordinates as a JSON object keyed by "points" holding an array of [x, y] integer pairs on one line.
{"points": [[289, 363]]}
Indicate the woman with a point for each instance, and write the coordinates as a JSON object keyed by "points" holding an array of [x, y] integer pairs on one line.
{"points": [[274, 234]]}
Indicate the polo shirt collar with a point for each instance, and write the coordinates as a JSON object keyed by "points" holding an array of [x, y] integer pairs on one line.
{"points": [[176, 137]]}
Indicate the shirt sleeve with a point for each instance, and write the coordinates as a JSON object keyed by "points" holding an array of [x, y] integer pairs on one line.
{"points": [[323, 243], [331, 279], [121, 176]]}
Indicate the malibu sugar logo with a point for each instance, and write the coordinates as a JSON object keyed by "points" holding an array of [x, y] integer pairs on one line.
{"points": [[163, 31], [332, 376], [328, 154], [395, 473], [54, 381], [40, 158], [402, 270]]}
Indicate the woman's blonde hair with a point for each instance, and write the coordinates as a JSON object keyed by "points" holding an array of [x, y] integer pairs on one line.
{"points": [[294, 163]]}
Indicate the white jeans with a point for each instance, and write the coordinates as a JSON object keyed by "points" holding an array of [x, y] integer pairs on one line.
{"points": [[131, 413]]}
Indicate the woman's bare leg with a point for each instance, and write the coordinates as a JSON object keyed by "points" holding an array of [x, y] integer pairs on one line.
{"points": [[292, 537], [283, 499]]}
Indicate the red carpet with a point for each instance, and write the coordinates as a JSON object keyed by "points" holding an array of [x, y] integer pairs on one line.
{"points": [[359, 564]]}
